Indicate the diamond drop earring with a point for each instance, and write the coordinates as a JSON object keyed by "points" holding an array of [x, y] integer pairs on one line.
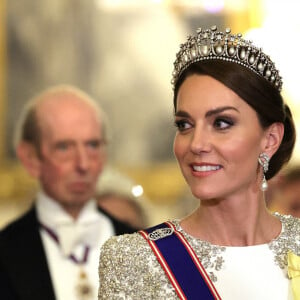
{"points": [[263, 160]]}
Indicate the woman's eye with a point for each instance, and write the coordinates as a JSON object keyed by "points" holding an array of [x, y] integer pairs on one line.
{"points": [[182, 125], [223, 123]]}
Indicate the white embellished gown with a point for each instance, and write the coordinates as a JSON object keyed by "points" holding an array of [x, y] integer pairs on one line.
{"points": [[129, 269]]}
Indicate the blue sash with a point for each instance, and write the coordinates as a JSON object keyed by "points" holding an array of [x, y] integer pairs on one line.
{"points": [[180, 263]]}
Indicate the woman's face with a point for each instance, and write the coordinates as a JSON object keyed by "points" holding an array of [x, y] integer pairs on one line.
{"points": [[218, 139]]}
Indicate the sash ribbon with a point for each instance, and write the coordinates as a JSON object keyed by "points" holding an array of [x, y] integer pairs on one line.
{"points": [[180, 263]]}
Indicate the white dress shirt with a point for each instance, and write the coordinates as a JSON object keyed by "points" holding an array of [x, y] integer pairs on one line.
{"points": [[91, 229]]}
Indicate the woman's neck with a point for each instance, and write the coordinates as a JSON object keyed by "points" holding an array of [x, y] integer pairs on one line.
{"points": [[233, 222]]}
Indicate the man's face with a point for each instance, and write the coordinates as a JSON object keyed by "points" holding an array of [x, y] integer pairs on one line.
{"points": [[71, 150]]}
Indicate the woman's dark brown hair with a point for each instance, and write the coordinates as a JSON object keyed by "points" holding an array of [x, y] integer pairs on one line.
{"points": [[264, 98]]}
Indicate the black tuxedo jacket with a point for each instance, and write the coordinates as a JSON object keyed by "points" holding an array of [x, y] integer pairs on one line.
{"points": [[24, 273]]}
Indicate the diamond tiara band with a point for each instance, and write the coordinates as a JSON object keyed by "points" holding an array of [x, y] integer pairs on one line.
{"points": [[210, 44]]}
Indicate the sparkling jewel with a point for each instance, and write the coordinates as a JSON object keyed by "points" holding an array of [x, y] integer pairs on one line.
{"points": [[213, 44], [264, 185]]}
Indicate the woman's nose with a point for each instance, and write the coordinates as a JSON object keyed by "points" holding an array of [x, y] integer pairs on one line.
{"points": [[200, 141]]}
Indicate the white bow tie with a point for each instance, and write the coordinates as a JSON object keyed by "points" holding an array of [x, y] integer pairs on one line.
{"points": [[72, 235]]}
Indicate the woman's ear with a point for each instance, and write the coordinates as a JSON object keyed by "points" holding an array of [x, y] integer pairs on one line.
{"points": [[28, 155], [273, 138]]}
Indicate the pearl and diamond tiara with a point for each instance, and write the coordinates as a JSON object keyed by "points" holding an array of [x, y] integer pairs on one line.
{"points": [[210, 44]]}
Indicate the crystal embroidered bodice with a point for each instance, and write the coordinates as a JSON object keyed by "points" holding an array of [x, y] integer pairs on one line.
{"points": [[211, 256]]}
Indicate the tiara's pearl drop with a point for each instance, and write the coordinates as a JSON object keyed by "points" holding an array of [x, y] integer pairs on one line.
{"points": [[204, 50], [243, 54], [260, 66], [186, 58], [231, 51], [194, 53], [219, 49], [252, 59], [268, 73]]}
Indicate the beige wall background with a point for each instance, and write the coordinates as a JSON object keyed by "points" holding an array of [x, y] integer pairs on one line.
{"points": [[122, 52]]}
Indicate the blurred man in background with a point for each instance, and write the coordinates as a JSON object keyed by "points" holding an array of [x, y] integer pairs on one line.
{"points": [[52, 251]]}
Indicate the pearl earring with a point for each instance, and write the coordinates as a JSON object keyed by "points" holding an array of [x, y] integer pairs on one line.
{"points": [[263, 160]]}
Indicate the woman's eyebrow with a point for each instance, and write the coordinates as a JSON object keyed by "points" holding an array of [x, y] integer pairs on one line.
{"points": [[181, 113], [219, 110], [184, 114]]}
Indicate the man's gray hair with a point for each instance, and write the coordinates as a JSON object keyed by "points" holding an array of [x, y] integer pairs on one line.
{"points": [[28, 129]]}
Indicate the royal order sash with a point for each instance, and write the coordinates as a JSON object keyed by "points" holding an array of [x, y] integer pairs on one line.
{"points": [[180, 263]]}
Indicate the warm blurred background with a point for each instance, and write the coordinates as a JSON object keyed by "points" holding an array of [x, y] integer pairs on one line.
{"points": [[121, 52]]}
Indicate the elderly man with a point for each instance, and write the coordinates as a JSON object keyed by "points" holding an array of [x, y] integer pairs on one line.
{"points": [[52, 251]]}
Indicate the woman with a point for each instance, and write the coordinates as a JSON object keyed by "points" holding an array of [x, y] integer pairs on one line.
{"points": [[234, 133]]}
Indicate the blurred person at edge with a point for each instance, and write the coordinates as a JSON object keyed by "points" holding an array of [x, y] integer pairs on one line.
{"points": [[52, 251], [286, 197], [114, 194], [234, 132]]}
